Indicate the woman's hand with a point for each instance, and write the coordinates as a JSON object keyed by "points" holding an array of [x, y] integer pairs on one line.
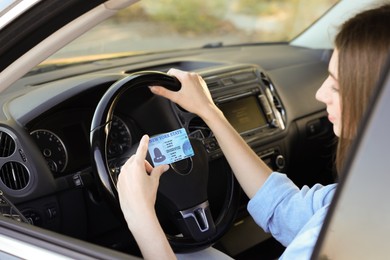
{"points": [[137, 184], [137, 189], [194, 95]]}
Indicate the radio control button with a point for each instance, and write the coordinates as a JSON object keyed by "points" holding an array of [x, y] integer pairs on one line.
{"points": [[280, 162], [211, 146]]}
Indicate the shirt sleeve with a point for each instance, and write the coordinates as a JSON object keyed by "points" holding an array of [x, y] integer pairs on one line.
{"points": [[281, 208]]}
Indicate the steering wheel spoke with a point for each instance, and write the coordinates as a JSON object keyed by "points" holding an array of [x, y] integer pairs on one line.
{"points": [[198, 221]]}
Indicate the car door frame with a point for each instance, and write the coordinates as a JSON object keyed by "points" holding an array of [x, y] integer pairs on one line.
{"points": [[25, 241]]}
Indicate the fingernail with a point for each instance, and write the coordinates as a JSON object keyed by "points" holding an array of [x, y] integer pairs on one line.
{"points": [[145, 138]]}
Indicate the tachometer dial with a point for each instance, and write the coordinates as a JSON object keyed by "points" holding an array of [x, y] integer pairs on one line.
{"points": [[52, 148], [119, 139]]}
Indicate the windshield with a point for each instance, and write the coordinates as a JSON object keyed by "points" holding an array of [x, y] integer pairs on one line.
{"points": [[6, 4], [164, 25]]}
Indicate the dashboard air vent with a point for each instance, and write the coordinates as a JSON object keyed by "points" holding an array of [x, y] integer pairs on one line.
{"points": [[14, 175], [275, 98], [213, 84], [7, 144]]}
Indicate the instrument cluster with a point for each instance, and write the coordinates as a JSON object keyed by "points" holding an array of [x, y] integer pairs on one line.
{"points": [[67, 150]]}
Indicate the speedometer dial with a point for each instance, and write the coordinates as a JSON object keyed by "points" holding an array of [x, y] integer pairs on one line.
{"points": [[52, 148], [119, 139]]}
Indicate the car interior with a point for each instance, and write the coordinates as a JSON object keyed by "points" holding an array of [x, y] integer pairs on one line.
{"points": [[65, 131]]}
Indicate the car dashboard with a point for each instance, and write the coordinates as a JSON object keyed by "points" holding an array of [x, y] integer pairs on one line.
{"points": [[266, 92]]}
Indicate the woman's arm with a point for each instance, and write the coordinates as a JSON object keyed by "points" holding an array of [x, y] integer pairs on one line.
{"points": [[194, 96], [137, 190]]}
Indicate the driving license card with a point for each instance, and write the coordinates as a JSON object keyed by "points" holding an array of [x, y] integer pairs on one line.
{"points": [[170, 147]]}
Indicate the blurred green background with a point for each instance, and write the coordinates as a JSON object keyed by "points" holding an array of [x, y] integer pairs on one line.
{"points": [[202, 17]]}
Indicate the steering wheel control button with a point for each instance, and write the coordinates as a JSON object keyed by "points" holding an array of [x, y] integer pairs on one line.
{"points": [[171, 147], [211, 146]]}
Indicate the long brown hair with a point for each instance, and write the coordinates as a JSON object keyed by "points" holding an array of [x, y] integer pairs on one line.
{"points": [[363, 44]]}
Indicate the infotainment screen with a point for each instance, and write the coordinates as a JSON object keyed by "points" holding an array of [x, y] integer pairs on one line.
{"points": [[244, 114]]}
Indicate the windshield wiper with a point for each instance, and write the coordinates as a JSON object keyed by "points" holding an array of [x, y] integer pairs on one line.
{"points": [[213, 45], [48, 68]]}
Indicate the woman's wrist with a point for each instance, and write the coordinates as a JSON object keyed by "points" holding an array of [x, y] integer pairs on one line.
{"points": [[149, 235], [210, 114], [140, 218]]}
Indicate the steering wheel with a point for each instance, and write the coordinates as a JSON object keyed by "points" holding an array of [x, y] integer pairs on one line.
{"points": [[183, 190]]}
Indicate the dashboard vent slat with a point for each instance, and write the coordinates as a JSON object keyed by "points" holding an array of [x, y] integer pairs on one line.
{"points": [[7, 144], [213, 84], [14, 175], [275, 98]]}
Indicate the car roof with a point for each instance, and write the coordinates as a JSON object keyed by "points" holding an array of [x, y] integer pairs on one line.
{"points": [[314, 36]]}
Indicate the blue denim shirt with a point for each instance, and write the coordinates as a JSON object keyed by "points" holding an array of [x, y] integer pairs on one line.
{"points": [[293, 216]]}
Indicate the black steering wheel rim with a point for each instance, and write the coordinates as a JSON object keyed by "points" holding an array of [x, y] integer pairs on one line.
{"points": [[108, 179]]}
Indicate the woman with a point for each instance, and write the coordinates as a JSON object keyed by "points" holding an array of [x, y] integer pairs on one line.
{"points": [[293, 216]]}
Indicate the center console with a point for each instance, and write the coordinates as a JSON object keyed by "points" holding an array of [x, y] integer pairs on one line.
{"points": [[251, 104]]}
